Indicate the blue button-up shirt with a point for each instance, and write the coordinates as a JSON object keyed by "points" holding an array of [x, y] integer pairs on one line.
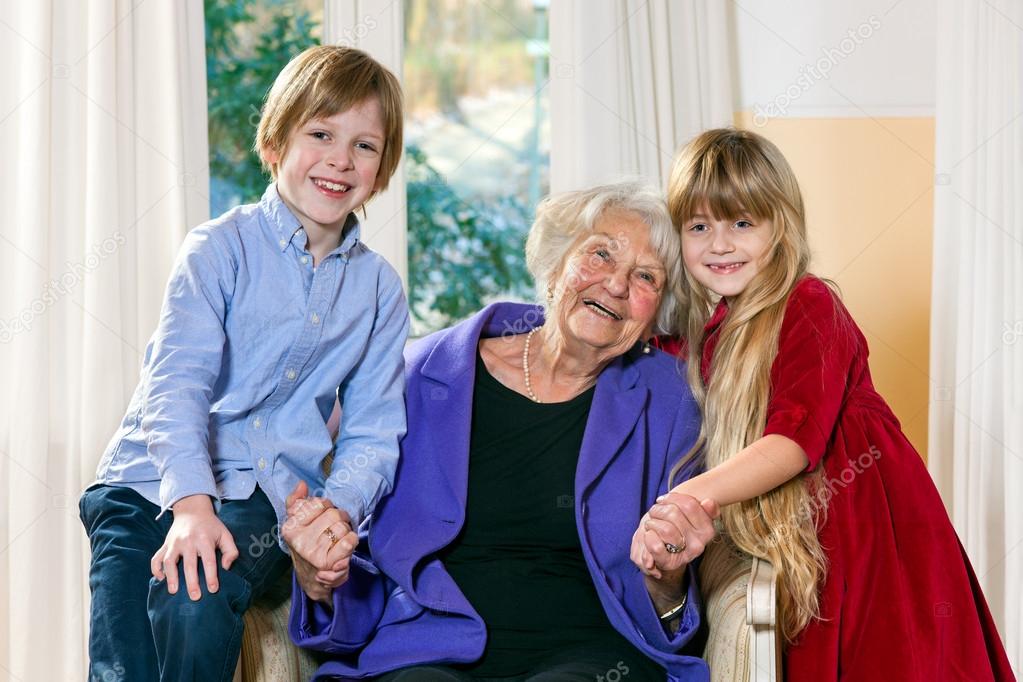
{"points": [[253, 345]]}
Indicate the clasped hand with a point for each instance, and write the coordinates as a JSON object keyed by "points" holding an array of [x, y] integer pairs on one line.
{"points": [[321, 540], [678, 520]]}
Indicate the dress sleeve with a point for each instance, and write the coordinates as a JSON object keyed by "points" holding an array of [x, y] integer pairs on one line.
{"points": [[812, 371]]}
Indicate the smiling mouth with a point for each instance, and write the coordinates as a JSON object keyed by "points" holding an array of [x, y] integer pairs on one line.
{"points": [[332, 187], [601, 310], [725, 268]]}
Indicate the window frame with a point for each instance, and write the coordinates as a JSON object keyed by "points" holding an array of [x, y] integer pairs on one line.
{"points": [[377, 27]]}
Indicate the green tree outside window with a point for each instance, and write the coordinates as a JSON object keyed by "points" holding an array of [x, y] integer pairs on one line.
{"points": [[463, 252]]}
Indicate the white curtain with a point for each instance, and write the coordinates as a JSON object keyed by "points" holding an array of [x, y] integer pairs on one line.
{"points": [[632, 81], [103, 131], [377, 27], [976, 413]]}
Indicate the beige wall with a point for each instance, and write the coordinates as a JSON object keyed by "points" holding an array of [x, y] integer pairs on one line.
{"points": [[868, 186]]}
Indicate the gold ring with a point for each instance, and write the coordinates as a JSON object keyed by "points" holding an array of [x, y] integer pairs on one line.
{"points": [[675, 549], [334, 539]]}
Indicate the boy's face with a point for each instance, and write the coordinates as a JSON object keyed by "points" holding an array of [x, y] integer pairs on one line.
{"points": [[330, 166]]}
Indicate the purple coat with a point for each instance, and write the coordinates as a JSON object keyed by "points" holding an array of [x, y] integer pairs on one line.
{"points": [[402, 608]]}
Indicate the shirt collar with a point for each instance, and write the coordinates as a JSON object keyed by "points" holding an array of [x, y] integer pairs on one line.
{"points": [[285, 227]]}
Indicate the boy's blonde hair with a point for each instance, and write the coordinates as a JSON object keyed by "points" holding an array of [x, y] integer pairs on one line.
{"points": [[733, 173], [327, 80]]}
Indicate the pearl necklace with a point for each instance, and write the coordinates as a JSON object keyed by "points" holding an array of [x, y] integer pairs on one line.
{"points": [[525, 365]]}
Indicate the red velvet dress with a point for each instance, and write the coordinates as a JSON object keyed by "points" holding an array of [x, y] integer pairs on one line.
{"points": [[900, 601]]}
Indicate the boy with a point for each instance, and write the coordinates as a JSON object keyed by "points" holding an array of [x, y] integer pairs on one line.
{"points": [[271, 310]]}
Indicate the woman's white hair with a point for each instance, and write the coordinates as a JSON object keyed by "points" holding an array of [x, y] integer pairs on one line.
{"points": [[565, 219]]}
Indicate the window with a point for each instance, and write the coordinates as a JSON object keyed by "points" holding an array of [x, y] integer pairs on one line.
{"points": [[247, 44], [477, 151], [477, 134]]}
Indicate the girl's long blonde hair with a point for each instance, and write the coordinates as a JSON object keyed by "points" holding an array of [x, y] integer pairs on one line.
{"points": [[731, 173]]}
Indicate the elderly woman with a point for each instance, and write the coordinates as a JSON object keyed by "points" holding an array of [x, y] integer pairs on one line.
{"points": [[535, 443]]}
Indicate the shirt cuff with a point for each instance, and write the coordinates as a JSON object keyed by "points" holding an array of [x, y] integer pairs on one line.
{"points": [[183, 480], [348, 498]]}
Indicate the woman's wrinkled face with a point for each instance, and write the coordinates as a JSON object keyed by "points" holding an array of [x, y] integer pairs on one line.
{"points": [[608, 292]]}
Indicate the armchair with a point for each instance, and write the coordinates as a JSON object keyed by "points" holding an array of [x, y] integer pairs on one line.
{"points": [[739, 597]]}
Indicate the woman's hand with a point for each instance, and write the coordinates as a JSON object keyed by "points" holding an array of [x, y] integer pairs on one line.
{"points": [[678, 520], [321, 540], [195, 535]]}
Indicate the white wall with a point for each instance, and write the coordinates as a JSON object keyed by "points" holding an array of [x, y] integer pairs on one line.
{"points": [[797, 58]]}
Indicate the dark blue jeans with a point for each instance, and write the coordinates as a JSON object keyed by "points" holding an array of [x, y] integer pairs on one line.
{"points": [[138, 631]]}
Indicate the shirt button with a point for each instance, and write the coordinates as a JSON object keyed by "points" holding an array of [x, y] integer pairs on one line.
{"points": [[291, 374], [283, 243], [315, 318], [262, 463], [257, 422], [304, 260]]}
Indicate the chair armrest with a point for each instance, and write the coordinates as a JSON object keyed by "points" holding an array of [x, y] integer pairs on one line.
{"points": [[268, 655], [761, 598], [740, 599], [761, 607]]}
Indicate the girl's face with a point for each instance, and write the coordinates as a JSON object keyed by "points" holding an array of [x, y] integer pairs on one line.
{"points": [[725, 255]]}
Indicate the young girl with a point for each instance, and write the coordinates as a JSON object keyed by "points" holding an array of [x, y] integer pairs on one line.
{"points": [[872, 581]]}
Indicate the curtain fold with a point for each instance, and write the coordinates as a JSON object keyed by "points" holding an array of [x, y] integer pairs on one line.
{"points": [[976, 411], [630, 82], [103, 124]]}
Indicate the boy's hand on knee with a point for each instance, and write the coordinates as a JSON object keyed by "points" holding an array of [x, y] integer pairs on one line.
{"points": [[196, 535]]}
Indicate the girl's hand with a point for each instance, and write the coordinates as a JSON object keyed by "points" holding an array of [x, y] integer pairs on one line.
{"points": [[196, 534], [678, 520]]}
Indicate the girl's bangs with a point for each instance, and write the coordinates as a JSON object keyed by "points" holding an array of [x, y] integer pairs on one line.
{"points": [[724, 182]]}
